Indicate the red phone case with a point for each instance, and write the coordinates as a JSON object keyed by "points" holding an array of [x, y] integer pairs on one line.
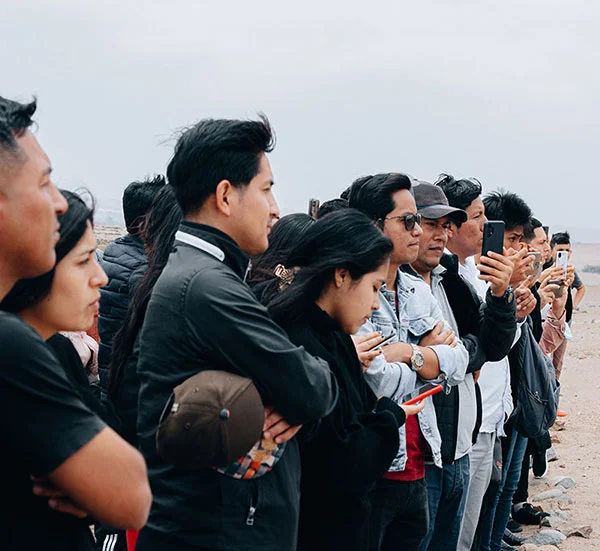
{"points": [[430, 392]]}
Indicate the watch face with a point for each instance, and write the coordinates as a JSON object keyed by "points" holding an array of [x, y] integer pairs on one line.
{"points": [[419, 360]]}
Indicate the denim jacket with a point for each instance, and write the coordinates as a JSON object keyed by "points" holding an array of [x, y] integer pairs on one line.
{"points": [[418, 313]]}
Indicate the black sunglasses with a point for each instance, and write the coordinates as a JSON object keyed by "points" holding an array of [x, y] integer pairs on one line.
{"points": [[410, 220]]}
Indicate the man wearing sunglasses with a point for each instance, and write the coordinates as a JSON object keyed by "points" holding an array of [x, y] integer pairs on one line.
{"points": [[424, 348]]}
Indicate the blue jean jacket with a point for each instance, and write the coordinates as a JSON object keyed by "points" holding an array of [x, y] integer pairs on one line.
{"points": [[418, 312]]}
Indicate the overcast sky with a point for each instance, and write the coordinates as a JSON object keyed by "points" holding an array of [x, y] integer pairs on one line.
{"points": [[503, 91]]}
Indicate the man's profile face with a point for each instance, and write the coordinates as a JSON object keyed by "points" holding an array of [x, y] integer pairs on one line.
{"points": [[540, 244], [431, 244], [406, 243], [469, 237], [256, 210], [29, 206]]}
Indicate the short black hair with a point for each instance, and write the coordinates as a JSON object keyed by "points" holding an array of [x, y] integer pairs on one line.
{"points": [[15, 119], [508, 207], [372, 195], [332, 205], [529, 230], [214, 150], [460, 193], [137, 200], [560, 238]]}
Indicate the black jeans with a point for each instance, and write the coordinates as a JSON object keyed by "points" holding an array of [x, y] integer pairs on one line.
{"points": [[399, 516]]}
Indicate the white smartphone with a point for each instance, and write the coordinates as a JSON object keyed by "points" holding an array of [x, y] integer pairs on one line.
{"points": [[562, 259]]}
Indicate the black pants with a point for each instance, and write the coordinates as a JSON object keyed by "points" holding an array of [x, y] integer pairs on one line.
{"points": [[535, 446], [400, 515]]}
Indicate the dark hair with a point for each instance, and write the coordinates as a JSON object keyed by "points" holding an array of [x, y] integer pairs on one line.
{"points": [[160, 226], [529, 230], [508, 207], [460, 193], [560, 238], [73, 224], [137, 200], [344, 239], [286, 234], [372, 195], [214, 150], [15, 119], [333, 205]]}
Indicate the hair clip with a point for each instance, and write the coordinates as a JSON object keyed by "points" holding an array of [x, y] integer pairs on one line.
{"points": [[284, 275]]}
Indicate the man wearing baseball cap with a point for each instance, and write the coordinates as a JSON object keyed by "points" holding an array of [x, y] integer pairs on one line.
{"points": [[486, 334]]}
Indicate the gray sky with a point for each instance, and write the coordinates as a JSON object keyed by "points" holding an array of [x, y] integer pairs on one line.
{"points": [[504, 91]]}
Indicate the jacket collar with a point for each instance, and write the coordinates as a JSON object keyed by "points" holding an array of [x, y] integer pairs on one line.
{"points": [[216, 243], [450, 262]]}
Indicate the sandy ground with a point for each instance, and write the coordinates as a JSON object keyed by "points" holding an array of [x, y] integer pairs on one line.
{"points": [[579, 447]]}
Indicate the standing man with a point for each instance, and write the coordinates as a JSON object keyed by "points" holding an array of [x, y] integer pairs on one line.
{"points": [[486, 331], [56, 452], [203, 316], [125, 262], [424, 348]]}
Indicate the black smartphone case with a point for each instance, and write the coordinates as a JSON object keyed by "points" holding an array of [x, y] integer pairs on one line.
{"points": [[493, 236]]}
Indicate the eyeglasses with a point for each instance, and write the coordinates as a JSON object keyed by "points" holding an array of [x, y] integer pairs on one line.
{"points": [[410, 220]]}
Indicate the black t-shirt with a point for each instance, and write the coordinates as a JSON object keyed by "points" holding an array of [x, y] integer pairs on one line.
{"points": [[44, 422]]}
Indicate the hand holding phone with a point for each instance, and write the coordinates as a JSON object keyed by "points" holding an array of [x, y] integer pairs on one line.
{"points": [[386, 340], [419, 394]]}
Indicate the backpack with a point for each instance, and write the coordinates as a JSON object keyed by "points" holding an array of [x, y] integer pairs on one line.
{"points": [[537, 389]]}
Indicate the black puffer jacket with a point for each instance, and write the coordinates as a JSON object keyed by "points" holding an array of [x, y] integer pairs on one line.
{"points": [[124, 262], [487, 331]]}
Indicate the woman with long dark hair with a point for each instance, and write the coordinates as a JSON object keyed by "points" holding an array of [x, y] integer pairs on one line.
{"points": [[329, 287], [158, 235], [286, 233]]}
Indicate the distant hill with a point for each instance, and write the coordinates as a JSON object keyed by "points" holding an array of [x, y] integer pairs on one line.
{"points": [[104, 217]]}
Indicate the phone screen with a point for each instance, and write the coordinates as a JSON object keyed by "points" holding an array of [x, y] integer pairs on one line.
{"points": [[418, 391]]}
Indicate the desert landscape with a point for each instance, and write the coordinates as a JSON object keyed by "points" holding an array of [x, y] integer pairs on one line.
{"points": [[573, 480]]}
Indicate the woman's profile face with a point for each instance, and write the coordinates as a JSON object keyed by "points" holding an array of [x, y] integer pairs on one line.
{"points": [[356, 299], [74, 297]]}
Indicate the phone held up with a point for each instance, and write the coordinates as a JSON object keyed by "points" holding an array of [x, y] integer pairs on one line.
{"points": [[493, 237], [313, 208], [562, 259]]}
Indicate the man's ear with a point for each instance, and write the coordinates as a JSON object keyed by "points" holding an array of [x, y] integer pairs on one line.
{"points": [[340, 276], [451, 230], [223, 197]]}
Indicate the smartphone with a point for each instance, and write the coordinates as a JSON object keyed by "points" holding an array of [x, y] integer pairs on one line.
{"points": [[562, 259], [493, 236], [313, 207], [385, 341], [536, 265], [428, 389]]}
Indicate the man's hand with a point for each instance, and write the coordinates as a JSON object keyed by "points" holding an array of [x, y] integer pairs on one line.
{"points": [[526, 302], [364, 347], [439, 335], [57, 499], [414, 408], [547, 291], [497, 270], [554, 273], [570, 274], [521, 266], [277, 428]]}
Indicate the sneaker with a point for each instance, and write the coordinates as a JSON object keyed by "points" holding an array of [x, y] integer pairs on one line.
{"points": [[526, 513], [561, 413], [512, 539], [540, 464], [505, 547], [514, 526]]}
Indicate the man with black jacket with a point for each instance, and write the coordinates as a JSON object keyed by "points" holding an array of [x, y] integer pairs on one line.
{"points": [[203, 316], [486, 329]]}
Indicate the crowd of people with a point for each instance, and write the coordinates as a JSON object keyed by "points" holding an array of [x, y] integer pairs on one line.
{"points": [[250, 387]]}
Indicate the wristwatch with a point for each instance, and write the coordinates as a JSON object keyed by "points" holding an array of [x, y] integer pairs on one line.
{"points": [[508, 297], [417, 359]]}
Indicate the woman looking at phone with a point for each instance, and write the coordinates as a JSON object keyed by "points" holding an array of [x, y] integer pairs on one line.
{"points": [[329, 287]]}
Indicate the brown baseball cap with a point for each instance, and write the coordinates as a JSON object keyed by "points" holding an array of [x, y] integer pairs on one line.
{"points": [[211, 420]]}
